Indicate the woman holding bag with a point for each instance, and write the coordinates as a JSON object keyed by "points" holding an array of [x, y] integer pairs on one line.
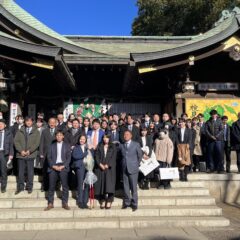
{"points": [[163, 149], [105, 170], [79, 152]]}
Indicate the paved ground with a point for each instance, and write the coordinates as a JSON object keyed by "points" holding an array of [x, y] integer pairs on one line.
{"points": [[232, 232]]}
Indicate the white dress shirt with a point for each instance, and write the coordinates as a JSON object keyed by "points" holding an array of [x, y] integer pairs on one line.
{"points": [[182, 134], [2, 141], [59, 152], [144, 143]]}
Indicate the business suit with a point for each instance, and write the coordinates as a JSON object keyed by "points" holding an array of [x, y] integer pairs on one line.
{"points": [[114, 135], [135, 133], [6, 151], [215, 150], [100, 134], [54, 175], [78, 155], [25, 141], [62, 127], [131, 158], [47, 138], [72, 139]]}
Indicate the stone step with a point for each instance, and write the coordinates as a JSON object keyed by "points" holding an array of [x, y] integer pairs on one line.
{"points": [[110, 223], [213, 177], [75, 213], [175, 184], [148, 193], [142, 201]]}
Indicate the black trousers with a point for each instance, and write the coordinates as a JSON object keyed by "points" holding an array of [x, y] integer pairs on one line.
{"points": [[3, 170], [53, 177], [227, 151], [24, 163], [45, 178]]}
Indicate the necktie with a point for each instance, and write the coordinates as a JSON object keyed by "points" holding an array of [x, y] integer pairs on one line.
{"points": [[28, 130], [52, 131], [126, 145], [95, 139]]}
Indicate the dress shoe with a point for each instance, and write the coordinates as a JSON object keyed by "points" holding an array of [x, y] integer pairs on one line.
{"points": [[124, 206], [30, 191], [49, 207], [134, 208], [18, 191], [167, 187], [3, 190], [66, 207], [221, 172]]}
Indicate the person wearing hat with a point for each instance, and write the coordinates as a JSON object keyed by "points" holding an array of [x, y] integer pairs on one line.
{"points": [[215, 143], [6, 153]]}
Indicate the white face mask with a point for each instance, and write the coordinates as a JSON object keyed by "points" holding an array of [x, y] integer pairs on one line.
{"points": [[1, 117], [20, 121]]}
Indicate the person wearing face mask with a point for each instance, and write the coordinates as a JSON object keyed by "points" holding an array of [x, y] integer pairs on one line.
{"points": [[1, 115]]}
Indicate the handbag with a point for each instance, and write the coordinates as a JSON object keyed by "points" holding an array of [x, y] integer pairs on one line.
{"points": [[168, 173]]}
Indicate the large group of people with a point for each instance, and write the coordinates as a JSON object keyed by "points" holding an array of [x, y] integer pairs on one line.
{"points": [[119, 144]]}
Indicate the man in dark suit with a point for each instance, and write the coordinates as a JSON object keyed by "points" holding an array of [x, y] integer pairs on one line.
{"points": [[215, 149], [131, 158], [59, 157], [131, 127], [227, 142], [114, 132], [6, 153], [147, 120], [26, 142], [73, 134], [61, 124], [47, 138]]}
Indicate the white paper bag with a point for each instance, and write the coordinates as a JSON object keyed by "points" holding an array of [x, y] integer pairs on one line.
{"points": [[148, 166], [168, 173]]}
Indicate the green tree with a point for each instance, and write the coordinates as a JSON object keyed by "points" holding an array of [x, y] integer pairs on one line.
{"points": [[178, 17]]}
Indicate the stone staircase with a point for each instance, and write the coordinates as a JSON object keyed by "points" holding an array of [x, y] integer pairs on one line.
{"points": [[186, 204]]}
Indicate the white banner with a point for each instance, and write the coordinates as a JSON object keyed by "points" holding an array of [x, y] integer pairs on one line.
{"points": [[14, 111]]}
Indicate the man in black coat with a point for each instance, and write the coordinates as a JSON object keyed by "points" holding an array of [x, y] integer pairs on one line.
{"points": [[73, 134], [215, 132], [130, 127], [47, 138], [236, 139], [59, 157], [61, 124], [6, 153]]}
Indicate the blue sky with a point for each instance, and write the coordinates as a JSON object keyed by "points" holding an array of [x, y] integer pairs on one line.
{"points": [[84, 17]]}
